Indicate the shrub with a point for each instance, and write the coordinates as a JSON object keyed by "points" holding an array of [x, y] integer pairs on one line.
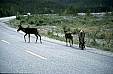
{"points": [[50, 33], [20, 17], [100, 35]]}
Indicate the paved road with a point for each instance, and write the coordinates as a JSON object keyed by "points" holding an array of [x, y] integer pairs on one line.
{"points": [[16, 56]]}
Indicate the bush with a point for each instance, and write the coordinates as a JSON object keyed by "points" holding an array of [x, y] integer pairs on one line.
{"points": [[31, 22], [76, 31], [100, 35], [93, 43], [50, 33], [20, 17]]}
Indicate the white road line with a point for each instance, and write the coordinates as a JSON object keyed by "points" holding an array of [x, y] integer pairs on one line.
{"points": [[35, 54], [5, 41]]}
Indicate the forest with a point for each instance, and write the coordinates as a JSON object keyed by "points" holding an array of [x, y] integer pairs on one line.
{"points": [[14, 7]]}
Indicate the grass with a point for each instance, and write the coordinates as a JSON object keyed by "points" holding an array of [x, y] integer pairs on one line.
{"points": [[98, 29]]}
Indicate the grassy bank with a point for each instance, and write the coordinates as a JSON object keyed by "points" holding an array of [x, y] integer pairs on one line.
{"points": [[98, 29]]}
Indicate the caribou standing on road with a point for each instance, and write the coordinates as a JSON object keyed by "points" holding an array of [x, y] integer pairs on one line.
{"points": [[68, 36], [30, 31]]}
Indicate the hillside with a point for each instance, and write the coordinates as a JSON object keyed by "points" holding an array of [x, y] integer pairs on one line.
{"points": [[11, 7]]}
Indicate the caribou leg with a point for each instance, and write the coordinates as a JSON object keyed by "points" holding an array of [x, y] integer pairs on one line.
{"points": [[36, 37], [40, 38], [24, 37], [29, 38], [66, 42], [70, 42]]}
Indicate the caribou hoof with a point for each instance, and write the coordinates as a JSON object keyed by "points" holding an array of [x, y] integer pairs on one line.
{"points": [[70, 45]]}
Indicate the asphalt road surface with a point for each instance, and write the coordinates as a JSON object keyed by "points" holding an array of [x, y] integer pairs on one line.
{"points": [[16, 56]]}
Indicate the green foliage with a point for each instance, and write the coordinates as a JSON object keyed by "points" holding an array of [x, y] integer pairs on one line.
{"points": [[76, 31], [70, 11], [88, 12], [70, 7], [100, 35], [7, 9], [50, 33], [94, 43]]}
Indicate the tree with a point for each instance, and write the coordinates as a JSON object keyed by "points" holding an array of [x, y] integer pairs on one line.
{"points": [[70, 11], [88, 12]]}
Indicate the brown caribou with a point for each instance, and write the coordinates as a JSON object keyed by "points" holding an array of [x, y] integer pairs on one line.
{"points": [[30, 31], [68, 36]]}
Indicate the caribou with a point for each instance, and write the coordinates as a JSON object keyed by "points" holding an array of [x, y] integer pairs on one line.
{"points": [[30, 31], [68, 36]]}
